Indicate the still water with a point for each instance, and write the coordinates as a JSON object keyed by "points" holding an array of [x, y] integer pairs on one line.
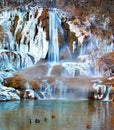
{"points": [[56, 115]]}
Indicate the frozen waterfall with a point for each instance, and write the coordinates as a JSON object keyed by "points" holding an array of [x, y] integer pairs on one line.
{"points": [[54, 27]]}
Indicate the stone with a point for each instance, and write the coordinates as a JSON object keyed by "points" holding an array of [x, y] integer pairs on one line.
{"points": [[56, 70], [29, 94], [8, 94]]}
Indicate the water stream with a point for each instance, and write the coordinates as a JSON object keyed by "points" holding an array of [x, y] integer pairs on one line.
{"points": [[54, 21]]}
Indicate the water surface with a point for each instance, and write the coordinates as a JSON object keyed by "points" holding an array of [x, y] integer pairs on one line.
{"points": [[56, 115]]}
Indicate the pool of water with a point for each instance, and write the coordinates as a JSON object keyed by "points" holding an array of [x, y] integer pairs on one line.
{"points": [[56, 115]]}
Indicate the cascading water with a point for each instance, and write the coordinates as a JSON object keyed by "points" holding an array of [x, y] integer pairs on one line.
{"points": [[108, 94], [60, 90], [45, 91], [23, 47], [54, 24], [20, 38]]}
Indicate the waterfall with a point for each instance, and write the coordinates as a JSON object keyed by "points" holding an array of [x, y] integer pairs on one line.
{"points": [[19, 31], [108, 94], [54, 25], [53, 38], [13, 60], [45, 91], [26, 42]]}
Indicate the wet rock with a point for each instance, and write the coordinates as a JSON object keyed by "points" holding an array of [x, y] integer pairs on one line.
{"points": [[108, 81], [8, 94], [17, 82], [14, 25], [35, 84], [31, 74], [64, 55], [29, 94], [56, 70], [34, 72], [18, 36], [44, 20]]}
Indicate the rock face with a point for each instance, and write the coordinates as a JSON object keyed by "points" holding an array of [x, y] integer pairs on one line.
{"points": [[85, 32], [106, 64]]}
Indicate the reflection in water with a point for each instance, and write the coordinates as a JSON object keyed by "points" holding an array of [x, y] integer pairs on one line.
{"points": [[56, 115], [101, 116]]}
